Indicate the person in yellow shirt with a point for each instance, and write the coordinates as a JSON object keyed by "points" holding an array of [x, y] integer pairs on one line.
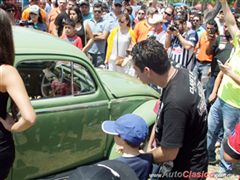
{"points": [[26, 12]]}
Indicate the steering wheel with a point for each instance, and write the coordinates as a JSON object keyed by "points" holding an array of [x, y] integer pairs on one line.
{"points": [[47, 79]]}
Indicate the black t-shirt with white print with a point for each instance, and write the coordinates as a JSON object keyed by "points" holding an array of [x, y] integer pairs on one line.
{"points": [[182, 122]]}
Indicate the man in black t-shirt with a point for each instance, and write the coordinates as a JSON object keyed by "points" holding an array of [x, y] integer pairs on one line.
{"points": [[181, 126], [63, 16]]}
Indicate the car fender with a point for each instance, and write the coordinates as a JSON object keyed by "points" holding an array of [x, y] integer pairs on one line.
{"points": [[146, 111]]}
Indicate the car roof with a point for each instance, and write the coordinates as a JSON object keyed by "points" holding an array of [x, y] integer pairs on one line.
{"points": [[30, 41]]}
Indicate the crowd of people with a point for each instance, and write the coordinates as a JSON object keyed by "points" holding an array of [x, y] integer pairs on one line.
{"points": [[192, 56]]}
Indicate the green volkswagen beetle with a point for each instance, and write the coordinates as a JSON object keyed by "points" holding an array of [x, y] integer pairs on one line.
{"points": [[71, 99]]}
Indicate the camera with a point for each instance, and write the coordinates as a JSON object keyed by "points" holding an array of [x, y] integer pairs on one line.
{"points": [[172, 27], [25, 23]]}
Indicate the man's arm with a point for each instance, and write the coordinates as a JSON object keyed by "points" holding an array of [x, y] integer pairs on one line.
{"points": [[229, 158], [212, 46], [172, 134], [212, 13], [217, 83], [168, 40], [101, 36], [185, 43], [161, 154], [229, 19]]}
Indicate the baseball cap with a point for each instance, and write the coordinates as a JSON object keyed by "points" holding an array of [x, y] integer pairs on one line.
{"points": [[84, 2], [130, 127], [34, 9], [156, 18], [179, 18], [117, 2], [104, 170]]}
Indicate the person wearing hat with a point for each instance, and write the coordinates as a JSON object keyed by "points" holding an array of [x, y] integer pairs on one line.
{"points": [[26, 12], [36, 18], [85, 10], [112, 17], [157, 31], [129, 132], [142, 28], [181, 42]]}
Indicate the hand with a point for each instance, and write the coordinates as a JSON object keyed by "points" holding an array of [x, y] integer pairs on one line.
{"points": [[8, 122], [209, 72], [211, 37], [225, 68], [151, 146], [169, 30], [176, 33], [169, 33], [212, 97]]}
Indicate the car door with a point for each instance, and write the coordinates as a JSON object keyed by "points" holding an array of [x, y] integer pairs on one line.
{"points": [[70, 104]]}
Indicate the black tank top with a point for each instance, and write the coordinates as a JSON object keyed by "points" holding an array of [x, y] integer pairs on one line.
{"points": [[81, 34], [6, 140]]}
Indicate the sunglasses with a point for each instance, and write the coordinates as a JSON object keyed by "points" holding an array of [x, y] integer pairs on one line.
{"points": [[167, 13], [120, 21], [96, 11], [10, 10]]}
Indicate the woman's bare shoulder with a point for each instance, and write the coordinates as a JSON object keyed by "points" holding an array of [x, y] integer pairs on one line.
{"points": [[8, 69], [8, 73]]}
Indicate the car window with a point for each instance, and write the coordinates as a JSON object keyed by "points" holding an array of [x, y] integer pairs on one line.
{"points": [[49, 79]]}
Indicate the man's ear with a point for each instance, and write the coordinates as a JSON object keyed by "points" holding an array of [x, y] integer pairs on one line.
{"points": [[147, 71]]}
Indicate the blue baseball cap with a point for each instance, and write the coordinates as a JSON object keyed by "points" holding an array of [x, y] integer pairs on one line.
{"points": [[129, 127], [117, 2]]}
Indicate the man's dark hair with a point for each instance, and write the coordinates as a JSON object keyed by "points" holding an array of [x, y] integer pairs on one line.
{"points": [[150, 53], [198, 16], [69, 22], [213, 23], [129, 9], [98, 5]]}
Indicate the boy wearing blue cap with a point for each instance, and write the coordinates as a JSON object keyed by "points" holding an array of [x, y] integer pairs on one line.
{"points": [[129, 132]]}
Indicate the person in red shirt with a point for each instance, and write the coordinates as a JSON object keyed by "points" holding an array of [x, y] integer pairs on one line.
{"points": [[69, 33], [231, 146]]}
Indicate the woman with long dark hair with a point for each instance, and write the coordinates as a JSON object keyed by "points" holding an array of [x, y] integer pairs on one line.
{"points": [[11, 85], [12, 11], [83, 30]]}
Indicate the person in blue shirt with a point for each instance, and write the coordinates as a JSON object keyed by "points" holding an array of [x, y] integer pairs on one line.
{"points": [[85, 10], [129, 132], [112, 17], [168, 16], [100, 31]]}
